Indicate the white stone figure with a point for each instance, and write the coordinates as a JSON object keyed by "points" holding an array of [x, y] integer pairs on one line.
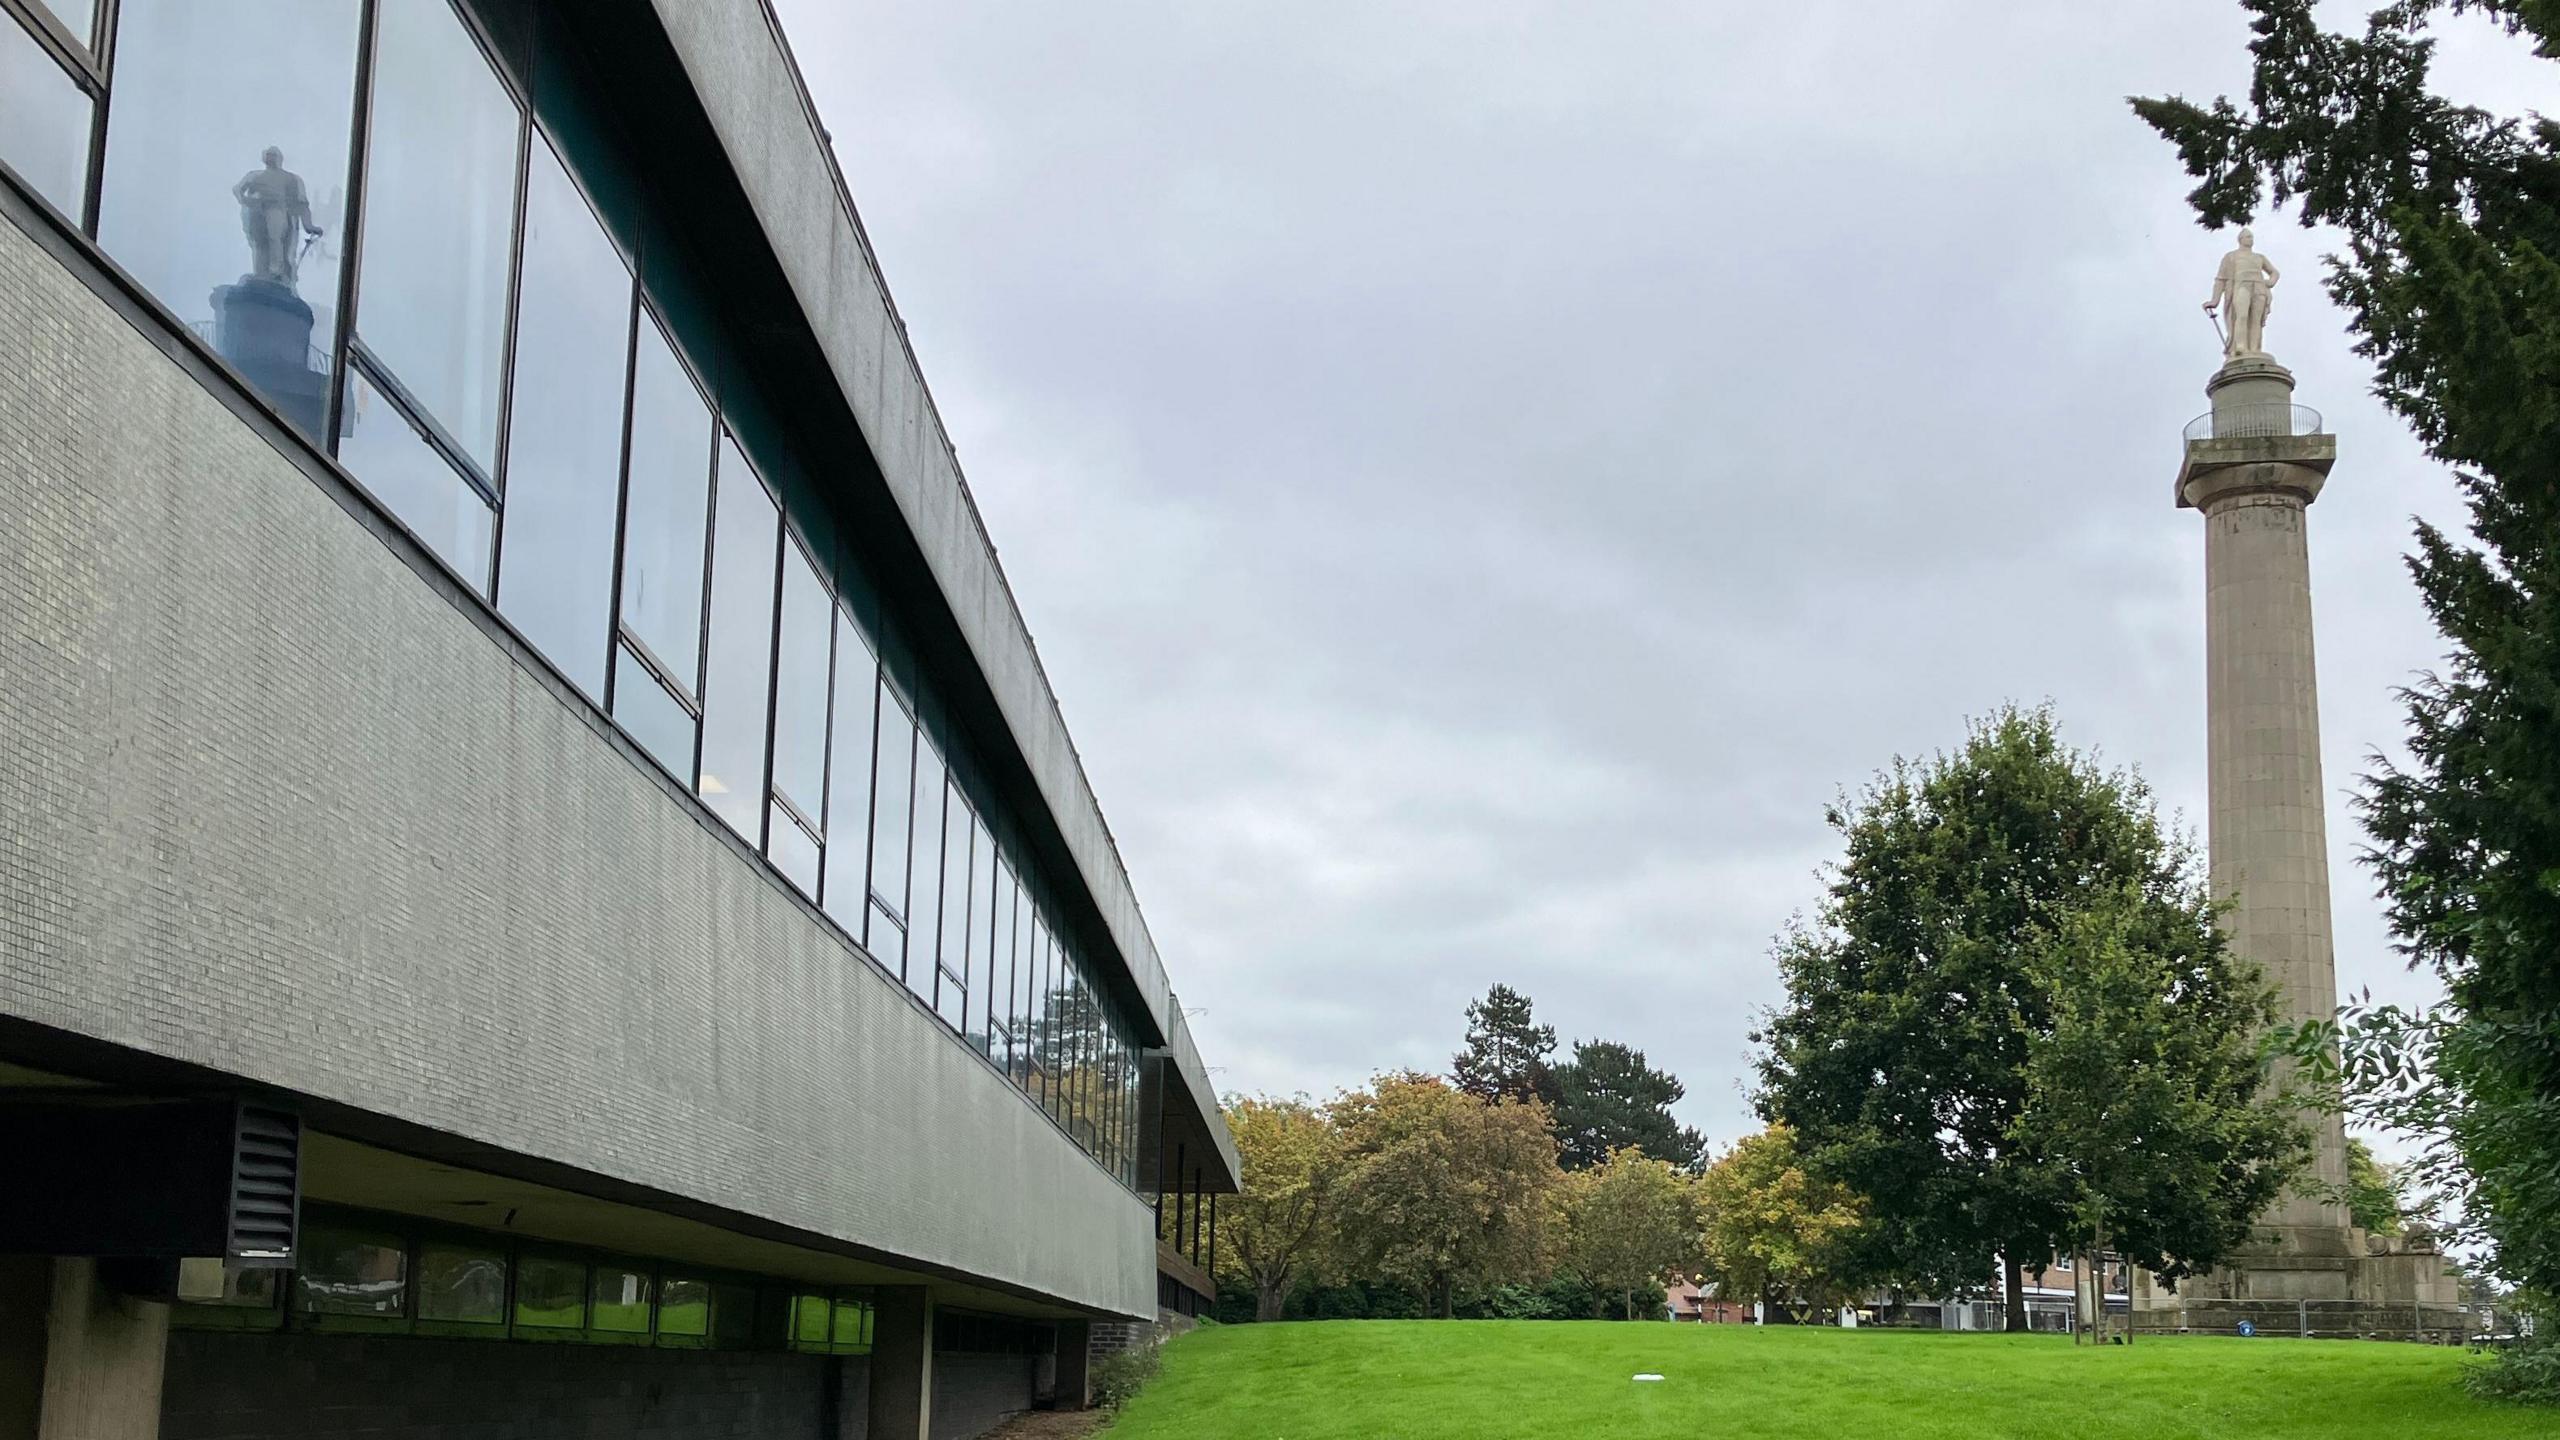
{"points": [[275, 214], [2243, 288]]}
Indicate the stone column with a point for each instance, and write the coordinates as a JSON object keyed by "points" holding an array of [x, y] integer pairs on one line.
{"points": [[901, 1378], [2254, 479]]}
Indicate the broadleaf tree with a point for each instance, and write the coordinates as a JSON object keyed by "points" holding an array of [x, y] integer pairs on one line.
{"points": [[1628, 1221], [1920, 992], [1773, 1232], [2150, 1093], [1272, 1235], [1442, 1191]]}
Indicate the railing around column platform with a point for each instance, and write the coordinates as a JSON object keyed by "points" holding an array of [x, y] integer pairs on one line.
{"points": [[2238, 422]]}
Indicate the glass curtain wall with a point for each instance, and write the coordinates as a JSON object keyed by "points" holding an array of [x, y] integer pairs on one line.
{"points": [[851, 753], [950, 987], [796, 828], [746, 540], [666, 527], [893, 838], [226, 179], [491, 357], [436, 271], [48, 102], [564, 440]]}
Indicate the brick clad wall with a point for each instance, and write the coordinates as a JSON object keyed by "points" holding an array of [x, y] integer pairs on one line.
{"points": [[272, 804]]}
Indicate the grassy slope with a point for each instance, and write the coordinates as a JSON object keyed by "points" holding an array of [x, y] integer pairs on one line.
{"points": [[1513, 1380]]}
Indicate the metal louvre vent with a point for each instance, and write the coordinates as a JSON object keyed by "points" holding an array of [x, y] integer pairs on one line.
{"points": [[266, 1186]]}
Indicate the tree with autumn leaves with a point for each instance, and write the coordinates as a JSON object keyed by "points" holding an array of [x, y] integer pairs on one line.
{"points": [[1417, 1186], [1772, 1232]]}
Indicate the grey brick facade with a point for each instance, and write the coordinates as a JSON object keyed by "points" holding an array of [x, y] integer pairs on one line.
{"points": [[273, 805]]}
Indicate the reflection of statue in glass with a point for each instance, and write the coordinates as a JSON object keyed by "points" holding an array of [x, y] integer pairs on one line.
{"points": [[275, 214]]}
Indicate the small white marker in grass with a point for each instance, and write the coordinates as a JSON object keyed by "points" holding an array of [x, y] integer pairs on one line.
{"points": [[1648, 1377]]}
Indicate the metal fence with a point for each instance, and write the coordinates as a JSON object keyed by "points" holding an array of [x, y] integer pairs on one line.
{"points": [[2322, 1320]]}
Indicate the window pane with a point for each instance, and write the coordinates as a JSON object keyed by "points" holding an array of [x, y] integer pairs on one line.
{"points": [[986, 883], [849, 775], [684, 1309], [733, 703], [205, 92], [893, 812], [794, 851], [812, 1321], [1001, 988], [414, 481], [551, 1293], [800, 687], [564, 435], [440, 196], [655, 718], [461, 1284], [44, 121], [351, 1272], [668, 505], [1043, 1057], [953, 948], [924, 883], [1079, 1060], [887, 941], [621, 1297], [852, 1324], [973, 971]]}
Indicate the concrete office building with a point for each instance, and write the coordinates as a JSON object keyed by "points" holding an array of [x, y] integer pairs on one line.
{"points": [[543, 888]]}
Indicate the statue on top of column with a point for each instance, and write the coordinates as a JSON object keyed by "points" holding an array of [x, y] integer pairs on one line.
{"points": [[275, 214], [2243, 289]]}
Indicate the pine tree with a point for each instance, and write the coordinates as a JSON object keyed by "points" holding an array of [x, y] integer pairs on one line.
{"points": [[1507, 1050], [1608, 1099]]}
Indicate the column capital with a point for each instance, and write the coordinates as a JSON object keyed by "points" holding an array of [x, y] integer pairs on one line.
{"points": [[2218, 470]]}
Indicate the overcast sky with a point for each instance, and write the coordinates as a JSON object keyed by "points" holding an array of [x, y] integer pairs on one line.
{"points": [[1483, 474]]}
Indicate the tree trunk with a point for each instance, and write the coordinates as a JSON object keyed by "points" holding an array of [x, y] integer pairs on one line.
{"points": [[1443, 1298], [2013, 1288], [1267, 1300]]}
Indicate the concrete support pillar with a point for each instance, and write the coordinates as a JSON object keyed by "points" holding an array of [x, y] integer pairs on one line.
{"points": [[901, 1378], [78, 1360], [1075, 1364]]}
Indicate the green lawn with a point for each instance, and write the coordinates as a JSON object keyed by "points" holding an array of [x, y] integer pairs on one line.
{"points": [[1513, 1380]]}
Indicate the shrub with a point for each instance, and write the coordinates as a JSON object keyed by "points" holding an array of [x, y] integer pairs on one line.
{"points": [[1122, 1373], [2525, 1372]]}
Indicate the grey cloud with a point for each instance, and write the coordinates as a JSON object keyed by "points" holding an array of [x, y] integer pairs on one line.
{"points": [[1483, 475]]}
